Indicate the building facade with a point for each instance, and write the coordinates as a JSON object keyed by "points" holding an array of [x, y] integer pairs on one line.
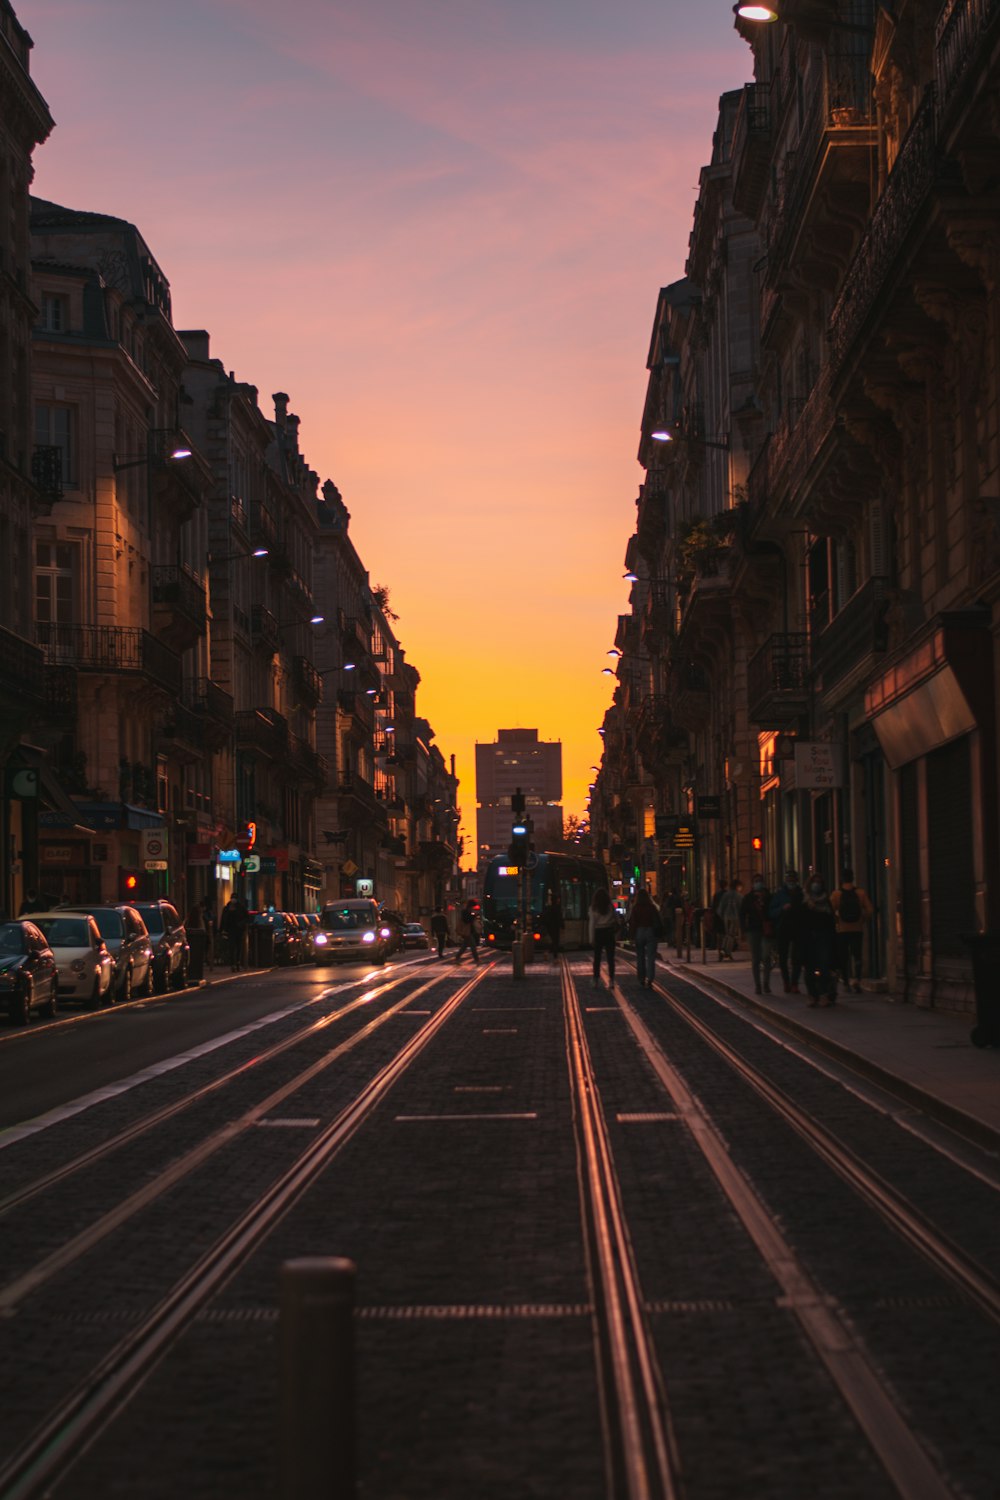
{"points": [[518, 759]]}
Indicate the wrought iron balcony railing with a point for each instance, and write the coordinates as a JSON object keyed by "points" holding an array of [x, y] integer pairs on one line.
{"points": [[263, 730], [855, 633], [778, 680], [110, 648], [960, 32], [178, 586], [208, 698]]}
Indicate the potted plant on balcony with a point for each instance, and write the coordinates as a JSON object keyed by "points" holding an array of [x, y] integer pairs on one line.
{"points": [[701, 546]]}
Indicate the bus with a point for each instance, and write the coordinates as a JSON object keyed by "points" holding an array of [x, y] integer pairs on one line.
{"points": [[575, 879]]}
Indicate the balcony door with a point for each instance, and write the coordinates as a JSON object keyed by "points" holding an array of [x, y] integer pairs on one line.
{"points": [[57, 589]]}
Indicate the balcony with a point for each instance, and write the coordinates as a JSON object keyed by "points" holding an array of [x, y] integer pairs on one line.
{"points": [[361, 805], [752, 149], [660, 741], [184, 729], [960, 33], [778, 681], [853, 636], [22, 670], [691, 696], [308, 682], [307, 762], [111, 649], [180, 614], [263, 529], [906, 193], [214, 707], [47, 474], [264, 629], [263, 731]]}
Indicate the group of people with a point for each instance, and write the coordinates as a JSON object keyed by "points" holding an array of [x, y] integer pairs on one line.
{"points": [[816, 934]]}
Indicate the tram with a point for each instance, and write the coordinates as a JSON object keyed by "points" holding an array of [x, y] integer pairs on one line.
{"points": [[574, 879]]}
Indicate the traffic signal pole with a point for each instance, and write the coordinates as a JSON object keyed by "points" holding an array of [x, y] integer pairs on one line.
{"points": [[518, 854]]}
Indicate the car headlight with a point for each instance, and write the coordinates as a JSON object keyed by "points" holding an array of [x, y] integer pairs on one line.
{"points": [[78, 966], [368, 937], [320, 940], [386, 932]]}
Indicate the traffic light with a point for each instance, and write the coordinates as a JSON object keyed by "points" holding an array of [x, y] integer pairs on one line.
{"points": [[756, 843], [128, 883], [518, 851]]}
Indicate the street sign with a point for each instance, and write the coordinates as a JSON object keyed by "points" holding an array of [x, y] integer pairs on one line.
{"points": [[251, 865], [365, 887], [684, 834], [157, 864], [349, 867], [708, 806], [154, 844]]}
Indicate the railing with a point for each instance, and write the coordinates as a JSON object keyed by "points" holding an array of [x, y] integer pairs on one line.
{"points": [[183, 723], [110, 648], [22, 667], [751, 141], [207, 697], [177, 585], [778, 678], [308, 680], [264, 626], [798, 442], [960, 30], [46, 471], [262, 729], [305, 758], [263, 528], [858, 630], [905, 193]]}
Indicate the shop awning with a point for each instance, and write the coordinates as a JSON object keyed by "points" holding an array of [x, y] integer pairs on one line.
{"points": [[30, 775]]}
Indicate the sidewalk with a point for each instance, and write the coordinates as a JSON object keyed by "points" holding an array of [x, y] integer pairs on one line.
{"points": [[924, 1057]]}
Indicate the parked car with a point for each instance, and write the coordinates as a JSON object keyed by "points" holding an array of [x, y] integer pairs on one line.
{"points": [[85, 966], [289, 939], [414, 935], [128, 942], [352, 929], [29, 976], [395, 923], [168, 936]]}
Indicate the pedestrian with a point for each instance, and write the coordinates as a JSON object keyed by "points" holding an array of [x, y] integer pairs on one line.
{"points": [[603, 929], [784, 911], [713, 920], [553, 922], [818, 937], [759, 929], [233, 925], [852, 908], [439, 929], [468, 932], [728, 913], [645, 929], [32, 902]]}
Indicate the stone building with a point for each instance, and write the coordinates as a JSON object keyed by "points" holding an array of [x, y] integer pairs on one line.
{"points": [[518, 758], [853, 677]]}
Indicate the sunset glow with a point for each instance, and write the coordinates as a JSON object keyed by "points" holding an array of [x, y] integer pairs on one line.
{"points": [[441, 228]]}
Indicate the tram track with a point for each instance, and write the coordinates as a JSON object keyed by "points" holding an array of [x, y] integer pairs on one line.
{"points": [[77, 1419]]}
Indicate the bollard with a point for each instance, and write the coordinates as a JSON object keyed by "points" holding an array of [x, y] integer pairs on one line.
{"points": [[316, 1397], [704, 954], [517, 955]]}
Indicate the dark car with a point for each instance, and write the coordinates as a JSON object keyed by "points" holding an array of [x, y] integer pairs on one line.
{"points": [[29, 978], [289, 939], [171, 950], [395, 924], [414, 935]]}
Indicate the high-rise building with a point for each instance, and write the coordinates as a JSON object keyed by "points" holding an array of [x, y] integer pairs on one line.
{"points": [[518, 759]]}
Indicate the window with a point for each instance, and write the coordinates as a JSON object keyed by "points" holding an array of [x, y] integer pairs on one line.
{"points": [[56, 568], [55, 313], [55, 428]]}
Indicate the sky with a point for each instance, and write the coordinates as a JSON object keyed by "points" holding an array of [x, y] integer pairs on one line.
{"points": [[440, 226]]}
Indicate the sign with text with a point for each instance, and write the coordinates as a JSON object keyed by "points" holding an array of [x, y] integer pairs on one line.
{"points": [[684, 834], [251, 864], [708, 806], [154, 844], [665, 825], [819, 766]]}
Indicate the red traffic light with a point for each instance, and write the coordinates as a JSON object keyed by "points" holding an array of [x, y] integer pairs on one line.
{"points": [[128, 883], [757, 843]]}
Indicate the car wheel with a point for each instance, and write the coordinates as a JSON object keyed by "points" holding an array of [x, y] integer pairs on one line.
{"points": [[147, 987], [20, 1007], [180, 979]]}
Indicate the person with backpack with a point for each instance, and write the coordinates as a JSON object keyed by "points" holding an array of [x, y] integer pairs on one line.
{"points": [[852, 908], [468, 931]]}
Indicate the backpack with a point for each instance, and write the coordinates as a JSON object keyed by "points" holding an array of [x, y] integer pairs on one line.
{"points": [[849, 909]]}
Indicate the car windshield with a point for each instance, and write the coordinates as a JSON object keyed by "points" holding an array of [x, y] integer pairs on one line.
{"points": [[413, 927], [347, 919], [65, 932], [109, 923], [11, 938], [152, 916]]}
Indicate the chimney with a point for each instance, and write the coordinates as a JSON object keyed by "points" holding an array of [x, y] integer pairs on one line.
{"points": [[280, 408]]}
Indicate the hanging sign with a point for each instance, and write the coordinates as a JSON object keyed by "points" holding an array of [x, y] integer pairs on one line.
{"points": [[819, 766]]}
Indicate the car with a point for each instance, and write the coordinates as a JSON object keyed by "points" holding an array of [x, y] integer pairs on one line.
{"points": [[85, 966], [414, 935], [168, 936], [128, 942], [352, 929], [289, 939], [395, 924], [29, 976]]}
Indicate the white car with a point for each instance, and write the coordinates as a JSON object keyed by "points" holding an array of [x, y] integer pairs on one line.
{"points": [[82, 958]]}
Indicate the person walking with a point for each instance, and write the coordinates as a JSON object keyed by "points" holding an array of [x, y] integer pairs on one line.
{"points": [[715, 922], [439, 929], [759, 929], [468, 932], [233, 925], [852, 908], [784, 911], [728, 914], [818, 937], [645, 929], [208, 918], [553, 923], [603, 928]]}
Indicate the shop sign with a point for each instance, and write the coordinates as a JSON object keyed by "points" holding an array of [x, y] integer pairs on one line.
{"points": [[665, 825], [684, 834], [268, 864], [58, 854], [818, 766], [157, 864], [228, 857], [251, 865], [708, 806], [199, 854], [365, 887]]}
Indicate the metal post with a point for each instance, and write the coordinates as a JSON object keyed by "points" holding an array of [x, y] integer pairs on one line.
{"points": [[317, 1384]]}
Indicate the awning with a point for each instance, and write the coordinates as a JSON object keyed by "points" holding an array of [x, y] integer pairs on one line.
{"points": [[29, 775], [935, 691]]}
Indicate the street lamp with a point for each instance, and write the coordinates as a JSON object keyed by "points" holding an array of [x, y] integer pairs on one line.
{"points": [[169, 454], [224, 557], [667, 435], [770, 14]]}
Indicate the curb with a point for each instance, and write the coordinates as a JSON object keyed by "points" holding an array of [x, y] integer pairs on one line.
{"points": [[965, 1125]]}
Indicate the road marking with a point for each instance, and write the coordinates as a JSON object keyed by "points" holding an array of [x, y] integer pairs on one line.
{"points": [[310, 1124], [532, 1116]]}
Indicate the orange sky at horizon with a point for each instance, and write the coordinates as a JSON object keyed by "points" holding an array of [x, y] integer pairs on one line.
{"points": [[441, 227]]}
